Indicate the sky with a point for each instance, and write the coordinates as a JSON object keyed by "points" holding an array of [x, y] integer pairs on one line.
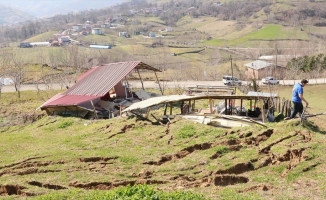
{"points": [[48, 8]]}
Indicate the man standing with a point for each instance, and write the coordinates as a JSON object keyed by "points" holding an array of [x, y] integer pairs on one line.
{"points": [[297, 98]]}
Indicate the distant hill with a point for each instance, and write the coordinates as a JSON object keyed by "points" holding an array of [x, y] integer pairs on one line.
{"points": [[10, 15], [49, 8]]}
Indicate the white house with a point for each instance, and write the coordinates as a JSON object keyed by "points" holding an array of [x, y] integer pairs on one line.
{"points": [[152, 34], [77, 27], [169, 29], [122, 34], [97, 31]]}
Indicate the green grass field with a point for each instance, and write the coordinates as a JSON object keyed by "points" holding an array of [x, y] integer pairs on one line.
{"points": [[89, 158]]}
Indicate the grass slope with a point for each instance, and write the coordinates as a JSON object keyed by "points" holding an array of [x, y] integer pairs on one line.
{"points": [[57, 154]]}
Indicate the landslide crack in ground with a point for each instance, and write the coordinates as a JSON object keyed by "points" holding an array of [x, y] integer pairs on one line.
{"points": [[6, 190], [261, 187], [21, 162], [46, 185], [181, 154], [237, 169], [109, 185], [97, 159], [267, 149], [260, 138], [123, 130], [295, 156]]}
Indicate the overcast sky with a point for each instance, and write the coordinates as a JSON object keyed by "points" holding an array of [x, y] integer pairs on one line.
{"points": [[47, 8]]}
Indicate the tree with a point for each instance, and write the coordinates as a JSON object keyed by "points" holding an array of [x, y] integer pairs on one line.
{"points": [[17, 71]]}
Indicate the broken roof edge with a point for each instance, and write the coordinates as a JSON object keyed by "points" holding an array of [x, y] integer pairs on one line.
{"points": [[69, 102], [175, 98], [142, 65]]}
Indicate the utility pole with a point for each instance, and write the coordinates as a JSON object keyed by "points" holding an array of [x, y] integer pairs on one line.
{"points": [[232, 70]]}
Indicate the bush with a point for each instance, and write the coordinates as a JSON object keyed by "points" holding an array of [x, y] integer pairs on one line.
{"points": [[187, 131], [122, 193]]}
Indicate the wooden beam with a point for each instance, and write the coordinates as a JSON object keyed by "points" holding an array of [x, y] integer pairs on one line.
{"points": [[141, 80], [158, 83], [95, 110]]}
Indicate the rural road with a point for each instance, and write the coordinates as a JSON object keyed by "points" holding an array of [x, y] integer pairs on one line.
{"points": [[152, 84]]}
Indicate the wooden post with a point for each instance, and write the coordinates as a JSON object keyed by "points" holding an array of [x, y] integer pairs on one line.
{"points": [[189, 107], [279, 105], [148, 111], [263, 110], [141, 80], [226, 103], [230, 105], [290, 108], [250, 104], [158, 83], [210, 105], [95, 110], [240, 107], [170, 108], [283, 104]]}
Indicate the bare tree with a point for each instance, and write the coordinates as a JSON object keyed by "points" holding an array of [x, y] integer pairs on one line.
{"points": [[17, 70]]}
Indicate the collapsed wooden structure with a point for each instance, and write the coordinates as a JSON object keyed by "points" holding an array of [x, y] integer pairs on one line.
{"points": [[265, 102], [101, 92]]}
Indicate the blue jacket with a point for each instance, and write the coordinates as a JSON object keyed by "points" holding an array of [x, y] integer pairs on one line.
{"points": [[297, 89]]}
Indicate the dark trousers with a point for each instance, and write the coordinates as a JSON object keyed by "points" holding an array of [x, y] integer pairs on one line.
{"points": [[297, 108]]}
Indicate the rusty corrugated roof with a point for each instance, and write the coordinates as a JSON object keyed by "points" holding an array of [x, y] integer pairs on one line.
{"points": [[70, 100], [94, 84], [101, 79]]}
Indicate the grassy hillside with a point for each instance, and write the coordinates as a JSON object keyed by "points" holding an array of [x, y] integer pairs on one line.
{"points": [[57, 155]]}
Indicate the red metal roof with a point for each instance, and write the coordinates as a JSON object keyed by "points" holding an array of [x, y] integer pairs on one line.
{"points": [[86, 73], [71, 100], [94, 84], [101, 79]]}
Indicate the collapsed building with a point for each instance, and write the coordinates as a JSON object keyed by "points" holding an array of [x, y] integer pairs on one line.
{"points": [[102, 92]]}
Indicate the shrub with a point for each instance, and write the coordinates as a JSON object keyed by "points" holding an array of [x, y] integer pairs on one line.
{"points": [[187, 131], [123, 193]]}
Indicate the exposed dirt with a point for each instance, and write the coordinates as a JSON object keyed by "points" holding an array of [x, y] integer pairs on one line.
{"points": [[123, 130], [256, 187], [237, 169], [225, 180], [6, 190], [97, 159], [181, 154], [111, 185], [46, 185]]}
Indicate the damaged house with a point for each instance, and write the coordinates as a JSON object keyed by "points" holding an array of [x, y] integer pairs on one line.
{"points": [[102, 92]]}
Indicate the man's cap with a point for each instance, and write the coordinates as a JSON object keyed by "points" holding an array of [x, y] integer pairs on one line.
{"points": [[304, 81]]}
